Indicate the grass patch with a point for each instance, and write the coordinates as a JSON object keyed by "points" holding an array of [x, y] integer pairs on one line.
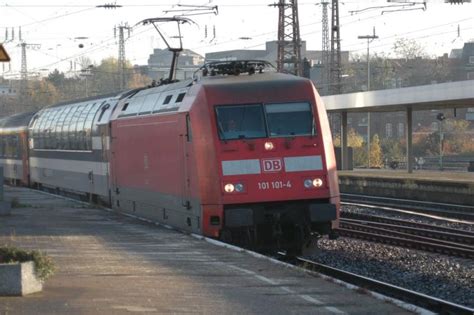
{"points": [[17, 204], [44, 266]]}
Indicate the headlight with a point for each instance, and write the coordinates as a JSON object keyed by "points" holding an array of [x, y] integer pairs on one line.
{"points": [[308, 183], [313, 183], [317, 182], [269, 146], [239, 187], [229, 188]]}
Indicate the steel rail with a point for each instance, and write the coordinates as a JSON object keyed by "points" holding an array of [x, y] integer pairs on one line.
{"points": [[415, 233], [375, 218], [380, 230], [421, 245], [441, 209], [409, 296]]}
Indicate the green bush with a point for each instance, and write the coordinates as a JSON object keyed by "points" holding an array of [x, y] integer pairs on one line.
{"points": [[44, 266], [17, 204]]}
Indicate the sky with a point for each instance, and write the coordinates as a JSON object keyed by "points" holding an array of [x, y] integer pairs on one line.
{"points": [[56, 30]]}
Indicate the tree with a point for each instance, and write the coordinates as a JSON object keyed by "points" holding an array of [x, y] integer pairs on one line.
{"points": [[426, 142], [356, 142], [56, 78], [138, 80], [40, 94], [408, 49], [105, 77], [392, 150], [457, 139], [354, 139], [376, 157]]}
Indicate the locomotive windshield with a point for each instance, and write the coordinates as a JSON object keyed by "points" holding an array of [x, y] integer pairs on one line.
{"points": [[262, 121], [289, 119], [240, 122]]}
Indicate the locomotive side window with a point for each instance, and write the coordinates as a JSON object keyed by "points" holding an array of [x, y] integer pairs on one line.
{"points": [[289, 119], [167, 99], [240, 122], [132, 108], [180, 98]]}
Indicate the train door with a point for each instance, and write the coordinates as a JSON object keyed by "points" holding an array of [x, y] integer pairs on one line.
{"points": [[113, 182], [192, 218]]}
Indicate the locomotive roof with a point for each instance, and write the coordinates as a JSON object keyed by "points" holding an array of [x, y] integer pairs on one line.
{"points": [[234, 72], [14, 122], [254, 78]]}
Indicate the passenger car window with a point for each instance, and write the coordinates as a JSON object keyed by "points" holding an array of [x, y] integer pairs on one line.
{"points": [[69, 128], [47, 128], [56, 128], [63, 127], [88, 126], [80, 132]]}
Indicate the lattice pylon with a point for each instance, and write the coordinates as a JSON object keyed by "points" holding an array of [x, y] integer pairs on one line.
{"points": [[289, 40], [335, 68], [325, 53]]}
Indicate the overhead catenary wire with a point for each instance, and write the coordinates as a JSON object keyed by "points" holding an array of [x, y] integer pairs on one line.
{"points": [[345, 20]]}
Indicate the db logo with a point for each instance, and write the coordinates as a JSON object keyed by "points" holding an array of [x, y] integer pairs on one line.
{"points": [[272, 165]]}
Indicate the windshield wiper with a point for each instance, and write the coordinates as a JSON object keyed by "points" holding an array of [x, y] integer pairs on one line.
{"points": [[221, 130]]}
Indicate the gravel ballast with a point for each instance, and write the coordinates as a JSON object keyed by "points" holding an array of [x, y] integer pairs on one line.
{"points": [[444, 277]]}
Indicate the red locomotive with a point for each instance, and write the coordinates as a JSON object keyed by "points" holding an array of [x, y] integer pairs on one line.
{"points": [[241, 154]]}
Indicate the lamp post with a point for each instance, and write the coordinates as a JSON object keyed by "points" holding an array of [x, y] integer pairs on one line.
{"points": [[440, 117], [86, 73], [369, 38]]}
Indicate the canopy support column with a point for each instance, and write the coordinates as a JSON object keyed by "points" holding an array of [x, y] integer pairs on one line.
{"points": [[409, 138], [344, 152]]}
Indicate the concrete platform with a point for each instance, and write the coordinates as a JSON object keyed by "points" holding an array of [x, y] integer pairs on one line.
{"points": [[444, 187], [111, 264]]}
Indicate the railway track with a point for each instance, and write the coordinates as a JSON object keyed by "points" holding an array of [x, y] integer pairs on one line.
{"points": [[407, 234], [394, 204], [409, 296]]}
